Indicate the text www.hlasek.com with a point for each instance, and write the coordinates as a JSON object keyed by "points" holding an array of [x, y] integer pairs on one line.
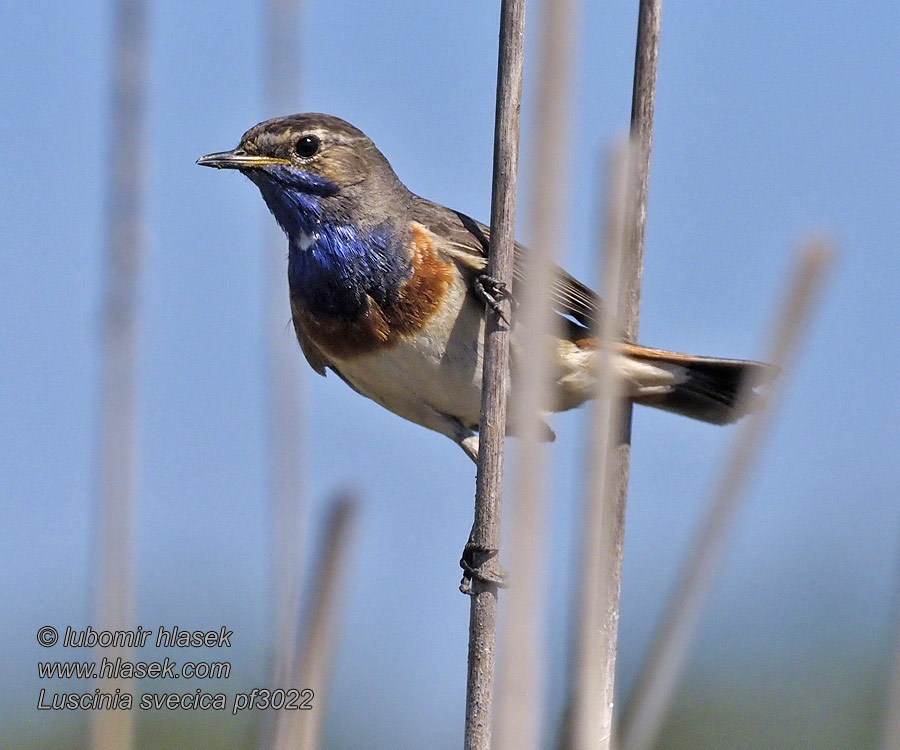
{"points": [[109, 670], [216, 670]]}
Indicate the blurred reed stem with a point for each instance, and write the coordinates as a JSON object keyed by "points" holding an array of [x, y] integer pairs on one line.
{"points": [[890, 727], [114, 586], [313, 667], [646, 709], [521, 646], [593, 696], [591, 693], [284, 403]]}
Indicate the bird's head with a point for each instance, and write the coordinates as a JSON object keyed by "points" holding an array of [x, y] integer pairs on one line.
{"points": [[312, 168]]}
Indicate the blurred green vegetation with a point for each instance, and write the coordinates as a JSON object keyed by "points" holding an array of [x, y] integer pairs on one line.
{"points": [[819, 711]]}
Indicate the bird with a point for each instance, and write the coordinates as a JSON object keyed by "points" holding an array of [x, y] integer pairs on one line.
{"points": [[389, 291]]}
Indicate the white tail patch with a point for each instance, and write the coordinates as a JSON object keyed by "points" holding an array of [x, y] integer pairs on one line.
{"points": [[577, 376]]}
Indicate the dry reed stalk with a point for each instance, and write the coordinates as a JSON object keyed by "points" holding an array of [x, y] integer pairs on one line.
{"points": [[485, 537], [643, 102], [644, 714], [890, 729], [282, 72], [592, 725], [591, 702], [521, 680], [520, 687], [300, 730], [125, 246]]}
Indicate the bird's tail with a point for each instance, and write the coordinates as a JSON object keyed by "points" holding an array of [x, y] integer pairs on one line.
{"points": [[704, 388]]}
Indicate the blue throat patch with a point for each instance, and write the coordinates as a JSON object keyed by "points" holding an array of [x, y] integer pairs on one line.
{"points": [[341, 269], [333, 268]]}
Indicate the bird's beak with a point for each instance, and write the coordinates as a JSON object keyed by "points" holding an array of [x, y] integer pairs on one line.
{"points": [[238, 160]]}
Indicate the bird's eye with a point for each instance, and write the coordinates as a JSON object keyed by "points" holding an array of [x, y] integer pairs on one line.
{"points": [[307, 146]]}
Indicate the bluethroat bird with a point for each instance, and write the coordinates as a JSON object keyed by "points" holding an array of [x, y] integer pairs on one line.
{"points": [[388, 290]]}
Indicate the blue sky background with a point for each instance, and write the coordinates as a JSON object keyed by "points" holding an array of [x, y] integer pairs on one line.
{"points": [[772, 120]]}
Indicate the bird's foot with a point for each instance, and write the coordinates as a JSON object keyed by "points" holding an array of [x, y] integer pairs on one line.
{"points": [[491, 291], [480, 564]]}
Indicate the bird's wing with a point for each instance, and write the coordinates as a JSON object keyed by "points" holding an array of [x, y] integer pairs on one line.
{"points": [[466, 241]]}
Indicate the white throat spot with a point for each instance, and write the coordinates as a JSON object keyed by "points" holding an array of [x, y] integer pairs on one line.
{"points": [[307, 241]]}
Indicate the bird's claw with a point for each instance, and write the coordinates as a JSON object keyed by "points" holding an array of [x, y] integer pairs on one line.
{"points": [[480, 564], [491, 291]]}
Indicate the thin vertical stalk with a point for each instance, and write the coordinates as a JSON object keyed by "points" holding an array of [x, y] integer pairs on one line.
{"points": [[890, 726], [485, 538], [282, 73], [591, 701], [300, 730], [643, 101], [646, 710], [116, 499], [627, 314], [521, 679]]}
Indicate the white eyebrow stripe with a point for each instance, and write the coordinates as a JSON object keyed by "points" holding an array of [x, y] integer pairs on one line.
{"points": [[327, 135]]}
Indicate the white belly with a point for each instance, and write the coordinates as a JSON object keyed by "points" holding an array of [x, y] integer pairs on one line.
{"points": [[436, 373]]}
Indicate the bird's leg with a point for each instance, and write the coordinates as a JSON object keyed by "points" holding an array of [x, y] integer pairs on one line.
{"points": [[463, 436], [491, 291], [478, 562]]}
